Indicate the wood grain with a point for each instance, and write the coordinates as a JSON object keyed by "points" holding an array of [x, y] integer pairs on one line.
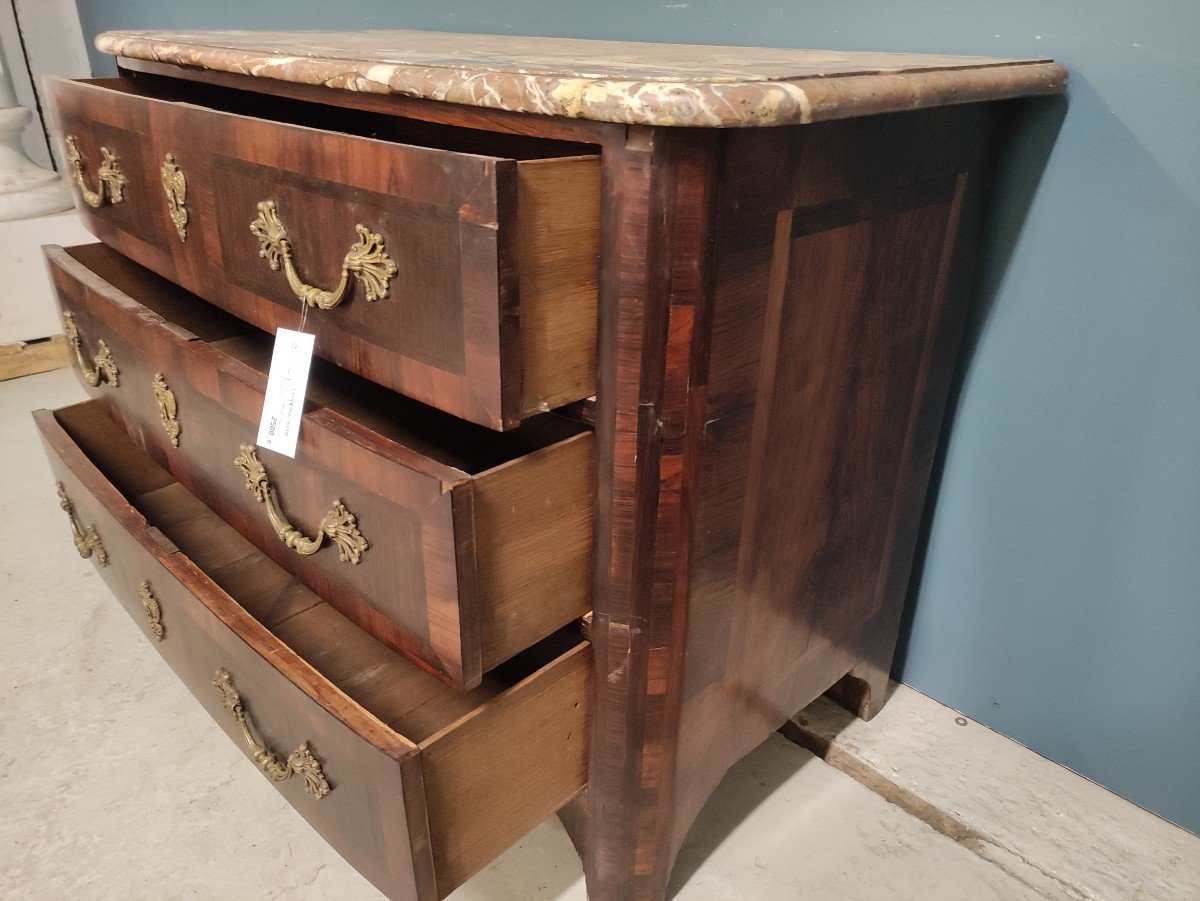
{"points": [[289, 701], [836, 318], [779, 312], [483, 791], [654, 281]]}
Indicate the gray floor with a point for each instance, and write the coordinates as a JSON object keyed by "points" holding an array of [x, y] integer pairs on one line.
{"points": [[114, 783]]}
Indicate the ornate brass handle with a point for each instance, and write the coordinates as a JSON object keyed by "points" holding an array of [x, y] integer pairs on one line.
{"points": [[366, 260], [102, 367], [168, 408], [153, 610], [339, 524], [111, 178], [299, 763], [175, 186], [87, 542]]}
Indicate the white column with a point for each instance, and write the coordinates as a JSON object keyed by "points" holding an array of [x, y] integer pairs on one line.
{"points": [[26, 189], [8, 95]]}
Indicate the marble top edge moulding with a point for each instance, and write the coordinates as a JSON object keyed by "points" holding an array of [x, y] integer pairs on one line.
{"points": [[606, 81]]}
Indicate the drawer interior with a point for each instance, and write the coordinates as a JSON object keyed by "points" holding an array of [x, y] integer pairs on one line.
{"points": [[439, 436], [480, 767], [360, 123]]}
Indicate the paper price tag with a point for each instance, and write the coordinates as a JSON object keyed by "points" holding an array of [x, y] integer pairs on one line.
{"points": [[279, 427]]}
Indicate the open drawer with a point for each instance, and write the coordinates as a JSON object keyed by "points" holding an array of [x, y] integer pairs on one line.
{"points": [[416, 784], [464, 545], [455, 266]]}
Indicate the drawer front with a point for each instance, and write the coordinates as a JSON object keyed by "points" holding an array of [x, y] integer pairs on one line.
{"points": [[449, 579], [409, 257], [416, 817], [365, 814], [109, 157]]}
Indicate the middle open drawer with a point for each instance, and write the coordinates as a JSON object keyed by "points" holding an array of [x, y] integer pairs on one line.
{"points": [[457, 545]]}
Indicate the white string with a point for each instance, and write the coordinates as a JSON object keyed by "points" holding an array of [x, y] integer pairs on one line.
{"points": [[303, 314]]}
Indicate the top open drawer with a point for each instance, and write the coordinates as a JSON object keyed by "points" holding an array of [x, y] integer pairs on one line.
{"points": [[461, 272]]}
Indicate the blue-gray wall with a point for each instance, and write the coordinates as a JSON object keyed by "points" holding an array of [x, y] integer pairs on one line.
{"points": [[1059, 597]]}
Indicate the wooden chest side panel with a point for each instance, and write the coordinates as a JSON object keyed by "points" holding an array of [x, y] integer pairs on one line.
{"points": [[494, 775], [837, 312], [558, 252]]}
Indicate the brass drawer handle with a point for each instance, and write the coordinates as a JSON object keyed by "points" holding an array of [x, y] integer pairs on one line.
{"points": [[299, 763], [87, 542], [111, 178], [168, 408], [339, 524], [175, 186], [153, 610], [366, 260], [102, 367]]}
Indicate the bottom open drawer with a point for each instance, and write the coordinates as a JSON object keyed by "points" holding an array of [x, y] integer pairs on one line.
{"points": [[418, 785]]}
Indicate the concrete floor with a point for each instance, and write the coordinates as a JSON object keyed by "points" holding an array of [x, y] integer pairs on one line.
{"points": [[114, 783]]}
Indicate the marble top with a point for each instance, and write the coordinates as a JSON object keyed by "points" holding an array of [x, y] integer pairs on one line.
{"points": [[610, 81]]}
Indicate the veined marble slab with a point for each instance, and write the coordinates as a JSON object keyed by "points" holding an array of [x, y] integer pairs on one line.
{"points": [[608, 81]]}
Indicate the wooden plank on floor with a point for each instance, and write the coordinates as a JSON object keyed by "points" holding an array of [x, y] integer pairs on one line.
{"points": [[1058, 833], [27, 357]]}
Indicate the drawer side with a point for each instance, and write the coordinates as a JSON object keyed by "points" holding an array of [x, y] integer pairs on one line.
{"points": [[558, 260], [496, 774], [417, 815]]}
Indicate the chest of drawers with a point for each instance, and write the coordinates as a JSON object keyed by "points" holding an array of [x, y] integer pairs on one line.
{"points": [[637, 358]]}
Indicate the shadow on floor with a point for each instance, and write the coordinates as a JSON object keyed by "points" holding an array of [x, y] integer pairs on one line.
{"points": [[749, 783]]}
